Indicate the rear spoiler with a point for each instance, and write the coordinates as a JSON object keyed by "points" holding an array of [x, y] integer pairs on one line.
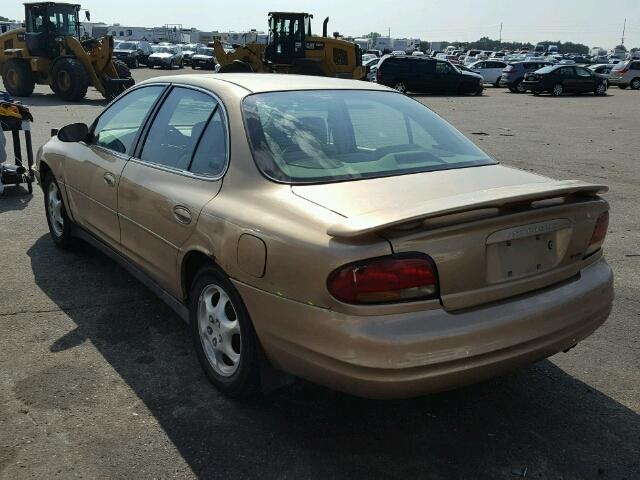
{"points": [[491, 198]]}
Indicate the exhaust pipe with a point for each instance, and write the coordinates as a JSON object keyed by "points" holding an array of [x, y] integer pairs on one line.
{"points": [[324, 27]]}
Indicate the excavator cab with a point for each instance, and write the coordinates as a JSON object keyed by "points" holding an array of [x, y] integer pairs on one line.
{"points": [[287, 33], [47, 21]]}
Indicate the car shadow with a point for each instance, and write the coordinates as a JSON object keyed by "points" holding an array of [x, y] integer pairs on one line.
{"points": [[539, 422]]}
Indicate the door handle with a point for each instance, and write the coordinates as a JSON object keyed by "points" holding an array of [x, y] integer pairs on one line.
{"points": [[182, 214], [109, 179]]}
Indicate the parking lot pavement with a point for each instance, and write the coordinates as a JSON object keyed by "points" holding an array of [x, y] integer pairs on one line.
{"points": [[98, 378]]}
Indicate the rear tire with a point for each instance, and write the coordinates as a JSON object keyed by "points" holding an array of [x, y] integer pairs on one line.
{"points": [[400, 86], [497, 83], [136, 63], [181, 66], [70, 80], [635, 84], [512, 90], [519, 87], [223, 335], [17, 78]]}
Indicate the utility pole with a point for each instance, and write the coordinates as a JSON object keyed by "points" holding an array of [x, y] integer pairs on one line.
{"points": [[624, 29], [500, 41]]}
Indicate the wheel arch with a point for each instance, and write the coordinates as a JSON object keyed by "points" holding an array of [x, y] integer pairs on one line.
{"points": [[192, 263]]}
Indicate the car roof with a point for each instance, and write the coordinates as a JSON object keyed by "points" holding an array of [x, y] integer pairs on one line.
{"points": [[269, 82]]}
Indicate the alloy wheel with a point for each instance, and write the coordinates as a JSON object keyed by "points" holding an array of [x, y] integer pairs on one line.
{"points": [[401, 87], [219, 330], [557, 89], [602, 88], [54, 209], [635, 84]]}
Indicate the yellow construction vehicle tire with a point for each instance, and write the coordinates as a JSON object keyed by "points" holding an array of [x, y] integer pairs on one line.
{"points": [[123, 70], [17, 78], [69, 80]]}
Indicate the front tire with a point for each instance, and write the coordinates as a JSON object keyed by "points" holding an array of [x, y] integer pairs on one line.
{"points": [[601, 89], [557, 90], [400, 86], [70, 80], [17, 78], [519, 87], [635, 84], [223, 335], [57, 218]]}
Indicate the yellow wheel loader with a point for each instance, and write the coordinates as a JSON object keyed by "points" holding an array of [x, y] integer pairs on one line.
{"points": [[50, 51], [292, 48]]}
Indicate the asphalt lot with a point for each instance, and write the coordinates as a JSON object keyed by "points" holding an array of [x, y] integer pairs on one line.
{"points": [[98, 378]]}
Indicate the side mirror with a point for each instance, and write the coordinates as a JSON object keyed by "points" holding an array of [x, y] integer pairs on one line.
{"points": [[76, 132]]}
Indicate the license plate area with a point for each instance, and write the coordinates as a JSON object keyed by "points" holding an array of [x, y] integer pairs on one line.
{"points": [[527, 250]]}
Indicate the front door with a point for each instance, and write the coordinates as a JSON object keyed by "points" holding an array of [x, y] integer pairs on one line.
{"points": [[173, 175], [586, 79], [446, 79], [93, 168], [569, 79]]}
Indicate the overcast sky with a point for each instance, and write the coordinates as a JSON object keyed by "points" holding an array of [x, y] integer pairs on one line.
{"points": [[595, 23]]}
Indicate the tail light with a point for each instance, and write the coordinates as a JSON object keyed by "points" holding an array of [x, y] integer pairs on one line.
{"points": [[599, 233], [398, 278]]}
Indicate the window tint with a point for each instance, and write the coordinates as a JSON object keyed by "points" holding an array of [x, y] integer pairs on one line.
{"points": [[443, 68], [211, 155], [334, 135], [566, 72], [117, 127], [635, 66], [583, 72], [424, 68], [175, 132]]}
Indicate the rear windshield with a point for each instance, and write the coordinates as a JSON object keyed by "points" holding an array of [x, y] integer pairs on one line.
{"points": [[620, 65], [335, 135]]}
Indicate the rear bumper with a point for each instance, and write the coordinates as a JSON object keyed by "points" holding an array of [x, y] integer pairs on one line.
{"points": [[405, 355], [617, 81]]}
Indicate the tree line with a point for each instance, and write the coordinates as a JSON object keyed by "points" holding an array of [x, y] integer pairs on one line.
{"points": [[486, 43]]}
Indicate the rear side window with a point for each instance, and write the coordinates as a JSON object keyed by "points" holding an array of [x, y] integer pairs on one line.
{"points": [[566, 72], [177, 128], [620, 65], [335, 135], [210, 158], [635, 66], [118, 126]]}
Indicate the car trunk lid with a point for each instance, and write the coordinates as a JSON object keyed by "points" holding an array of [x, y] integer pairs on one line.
{"points": [[494, 234]]}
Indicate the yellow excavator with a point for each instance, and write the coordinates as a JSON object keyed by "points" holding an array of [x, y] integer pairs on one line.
{"points": [[292, 48], [51, 51]]}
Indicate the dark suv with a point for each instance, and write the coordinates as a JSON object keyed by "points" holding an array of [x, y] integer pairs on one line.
{"points": [[513, 74], [133, 53], [426, 75]]}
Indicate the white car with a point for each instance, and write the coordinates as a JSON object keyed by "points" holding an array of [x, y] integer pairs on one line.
{"points": [[417, 53], [398, 52], [367, 57], [491, 70]]}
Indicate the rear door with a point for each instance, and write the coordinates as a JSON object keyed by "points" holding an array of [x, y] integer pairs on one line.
{"points": [[174, 173], [93, 168], [424, 75]]}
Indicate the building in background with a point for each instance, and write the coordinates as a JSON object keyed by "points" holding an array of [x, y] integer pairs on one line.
{"points": [[384, 44], [406, 44], [5, 26]]}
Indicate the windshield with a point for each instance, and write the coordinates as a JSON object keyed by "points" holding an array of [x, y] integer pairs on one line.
{"points": [[205, 51], [59, 19], [546, 69], [127, 46], [333, 135], [157, 49]]}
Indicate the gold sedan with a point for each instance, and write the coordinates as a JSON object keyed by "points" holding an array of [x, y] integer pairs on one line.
{"points": [[331, 229]]}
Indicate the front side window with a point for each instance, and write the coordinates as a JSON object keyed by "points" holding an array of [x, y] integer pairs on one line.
{"points": [[117, 127], [566, 72], [176, 130], [583, 72], [443, 68], [334, 135]]}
